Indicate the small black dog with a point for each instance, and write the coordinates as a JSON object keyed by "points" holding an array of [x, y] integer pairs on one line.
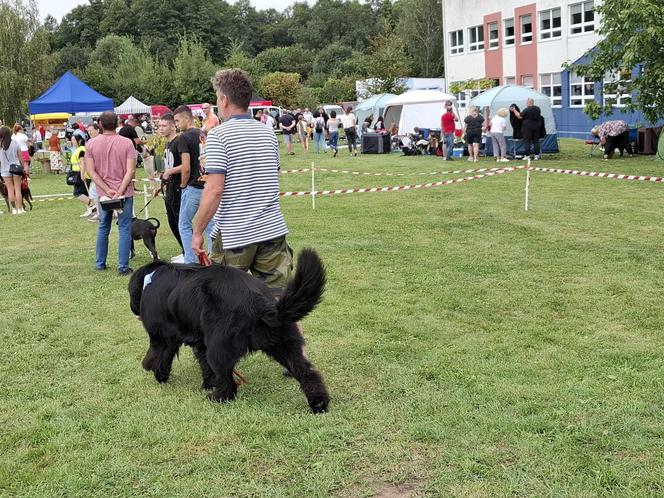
{"points": [[25, 193], [224, 313], [144, 229]]}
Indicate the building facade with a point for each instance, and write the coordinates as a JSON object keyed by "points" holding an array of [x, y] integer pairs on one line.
{"points": [[516, 42]]}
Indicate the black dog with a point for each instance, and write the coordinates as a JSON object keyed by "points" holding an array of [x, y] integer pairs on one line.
{"points": [[25, 193], [144, 229], [223, 314]]}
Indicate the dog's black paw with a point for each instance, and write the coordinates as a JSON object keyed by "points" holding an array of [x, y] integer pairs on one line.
{"points": [[207, 385], [319, 405], [215, 397], [162, 378]]}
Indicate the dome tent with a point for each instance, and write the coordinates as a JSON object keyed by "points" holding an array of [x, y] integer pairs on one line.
{"points": [[132, 106], [372, 107], [421, 108], [492, 100]]}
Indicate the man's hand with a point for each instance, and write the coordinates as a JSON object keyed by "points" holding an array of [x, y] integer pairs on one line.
{"points": [[197, 243], [112, 194]]}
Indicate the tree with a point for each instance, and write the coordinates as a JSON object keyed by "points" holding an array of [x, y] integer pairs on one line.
{"points": [[631, 46], [27, 67], [420, 25], [192, 72], [389, 63], [284, 89], [238, 58], [331, 57], [295, 58], [338, 90]]}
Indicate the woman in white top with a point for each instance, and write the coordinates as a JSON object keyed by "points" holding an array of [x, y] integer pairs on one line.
{"points": [[332, 126], [498, 126], [22, 141]]}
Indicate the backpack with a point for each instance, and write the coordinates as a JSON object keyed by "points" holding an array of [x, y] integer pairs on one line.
{"points": [[319, 126]]}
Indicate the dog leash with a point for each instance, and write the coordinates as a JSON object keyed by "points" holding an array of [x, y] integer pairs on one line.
{"points": [[204, 260], [154, 196]]}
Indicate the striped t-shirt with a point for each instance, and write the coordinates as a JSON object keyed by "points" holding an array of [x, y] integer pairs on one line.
{"points": [[247, 152]]}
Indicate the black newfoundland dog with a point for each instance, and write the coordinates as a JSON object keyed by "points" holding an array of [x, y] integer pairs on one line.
{"points": [[223, 314]]}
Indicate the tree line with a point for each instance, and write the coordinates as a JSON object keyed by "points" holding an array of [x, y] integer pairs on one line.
{"points": [[166, 51]]}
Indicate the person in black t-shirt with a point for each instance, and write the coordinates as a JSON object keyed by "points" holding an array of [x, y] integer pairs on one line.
{"points": [[287, 124], [129, 131], [171, 178], [189, 147], [531, 127], [473, 124]]}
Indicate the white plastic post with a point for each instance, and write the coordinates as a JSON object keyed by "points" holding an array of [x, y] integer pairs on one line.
{"points": [[313, 185], [527, 182], [146, 199]]}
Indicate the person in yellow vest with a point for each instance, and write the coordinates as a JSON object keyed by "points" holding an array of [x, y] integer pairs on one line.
{"points": [[82, 185]]}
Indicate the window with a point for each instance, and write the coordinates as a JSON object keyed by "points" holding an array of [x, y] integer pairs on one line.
{"points": [[494, 42], [581, 90], [551, 86], [614, 82], [476, 38], [527, 81], [456, 42], [526, 29], [509, 31], [510, 80], [462, 102], [581, 18], [550, 24]]}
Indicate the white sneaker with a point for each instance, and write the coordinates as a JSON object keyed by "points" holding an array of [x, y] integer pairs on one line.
{"points": [[178, 259], [536, 158], [470, 159], [20, 211], [87, 213], [14, 211], [504, 160]]}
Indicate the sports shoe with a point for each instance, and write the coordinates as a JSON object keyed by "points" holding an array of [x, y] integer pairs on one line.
{"points": [[14, 211], [178, 259], [536, 158], [335, 153], [504, 160], [20, 211], [125, 271], [100, 268]]}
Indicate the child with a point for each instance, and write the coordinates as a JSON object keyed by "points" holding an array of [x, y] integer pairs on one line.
{"points": [[498, 126], [303, 132]]}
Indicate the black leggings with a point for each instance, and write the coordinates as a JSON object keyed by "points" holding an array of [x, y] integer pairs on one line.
{"points": [[351, 138], [172, 197], [530, 138]]}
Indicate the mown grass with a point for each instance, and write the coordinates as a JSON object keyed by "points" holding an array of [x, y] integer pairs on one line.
{"points": [[470, 348]]}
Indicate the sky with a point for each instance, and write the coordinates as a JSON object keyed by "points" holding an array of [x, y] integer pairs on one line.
{"points": [[58, 8]]}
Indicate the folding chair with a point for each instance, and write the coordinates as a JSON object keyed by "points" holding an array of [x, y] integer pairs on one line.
{"points": [[593, 141]]}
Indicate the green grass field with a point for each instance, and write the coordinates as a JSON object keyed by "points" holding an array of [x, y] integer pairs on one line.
{"points": [[471, 349]]}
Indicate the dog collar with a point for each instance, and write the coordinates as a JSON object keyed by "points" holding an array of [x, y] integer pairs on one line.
{"points": [[147, 280]]}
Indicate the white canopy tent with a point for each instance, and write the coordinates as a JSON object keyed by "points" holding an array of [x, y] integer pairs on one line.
{"points": [[421, 108], [133, 106]]}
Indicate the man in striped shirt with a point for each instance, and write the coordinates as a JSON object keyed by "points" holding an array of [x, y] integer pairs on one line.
{"points": [[242, 189]]}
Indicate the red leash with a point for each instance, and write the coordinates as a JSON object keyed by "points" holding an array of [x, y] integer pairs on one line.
{"points": [[204, 260]]}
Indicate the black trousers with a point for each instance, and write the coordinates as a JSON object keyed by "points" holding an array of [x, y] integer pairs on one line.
{"points": [[351, 138], [620, 142], [530, 138], [172, 195]]}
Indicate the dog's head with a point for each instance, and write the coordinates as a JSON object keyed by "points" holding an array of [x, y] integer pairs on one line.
{"points": [[136, 285]]}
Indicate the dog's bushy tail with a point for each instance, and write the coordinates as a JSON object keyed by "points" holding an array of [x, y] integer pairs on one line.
{"points": [[305, 290]]}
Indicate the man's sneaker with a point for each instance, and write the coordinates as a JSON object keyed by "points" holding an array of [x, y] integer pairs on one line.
{"points": [[536, 158], [335, 153], [178, 259], [125, 271], [100, 268], [504, 160]]}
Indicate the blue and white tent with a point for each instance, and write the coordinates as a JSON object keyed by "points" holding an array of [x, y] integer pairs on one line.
{"points": [[375, 106], [505, 96]]}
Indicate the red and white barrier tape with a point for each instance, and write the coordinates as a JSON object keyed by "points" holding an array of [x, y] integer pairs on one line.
{"points": [[599, 174], [364, 173], [401, 187]]}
